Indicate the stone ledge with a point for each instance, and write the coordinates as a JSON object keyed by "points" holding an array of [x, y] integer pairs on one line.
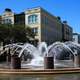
{"points": [[39, 72]]}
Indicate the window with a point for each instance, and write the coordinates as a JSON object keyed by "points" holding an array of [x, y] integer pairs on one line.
{"points": [[35, 30], [32, 19], [46, 20], [7, 21]]}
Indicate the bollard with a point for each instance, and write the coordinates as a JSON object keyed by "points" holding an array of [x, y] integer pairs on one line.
{"points": [[49, 62], [8, 56], [15, 62], [77, 60]]}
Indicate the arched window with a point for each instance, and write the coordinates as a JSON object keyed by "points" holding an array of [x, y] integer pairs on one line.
{"points": [[32, 19]]}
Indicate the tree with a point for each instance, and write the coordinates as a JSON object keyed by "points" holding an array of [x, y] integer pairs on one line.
{"points": [[23, 34], [5, 33], [15, 33], [19, 33]]}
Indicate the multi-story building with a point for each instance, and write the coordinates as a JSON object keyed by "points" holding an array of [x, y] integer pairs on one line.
{"points": [[19, 18], [66, 32], [46, 26], [8, 17], [76, 37]]}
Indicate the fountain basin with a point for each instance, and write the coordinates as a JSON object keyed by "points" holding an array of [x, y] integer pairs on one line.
{"points": [[39, 72]]}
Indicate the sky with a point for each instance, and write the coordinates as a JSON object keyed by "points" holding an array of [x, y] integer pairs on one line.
{"points": [[68, 10]]}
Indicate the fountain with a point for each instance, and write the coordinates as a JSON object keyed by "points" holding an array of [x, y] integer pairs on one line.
{"points": [[64, 54]]}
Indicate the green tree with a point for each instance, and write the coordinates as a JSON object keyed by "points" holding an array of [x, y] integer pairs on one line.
{"points": [[5, 32], [23, 33], [15, 33], [19, 33]]}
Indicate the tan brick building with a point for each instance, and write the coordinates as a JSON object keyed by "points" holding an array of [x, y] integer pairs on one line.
{"points": [[46, 26], [66, 32], [8, 17]]}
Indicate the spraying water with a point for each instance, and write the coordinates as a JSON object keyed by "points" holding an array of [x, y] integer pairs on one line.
{"points": [[60, 51]]}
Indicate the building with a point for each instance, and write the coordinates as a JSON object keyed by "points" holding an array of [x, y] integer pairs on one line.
{"points": [[46, 26], [76, 37], [19, 18], [66, 32], [8, 17]]}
